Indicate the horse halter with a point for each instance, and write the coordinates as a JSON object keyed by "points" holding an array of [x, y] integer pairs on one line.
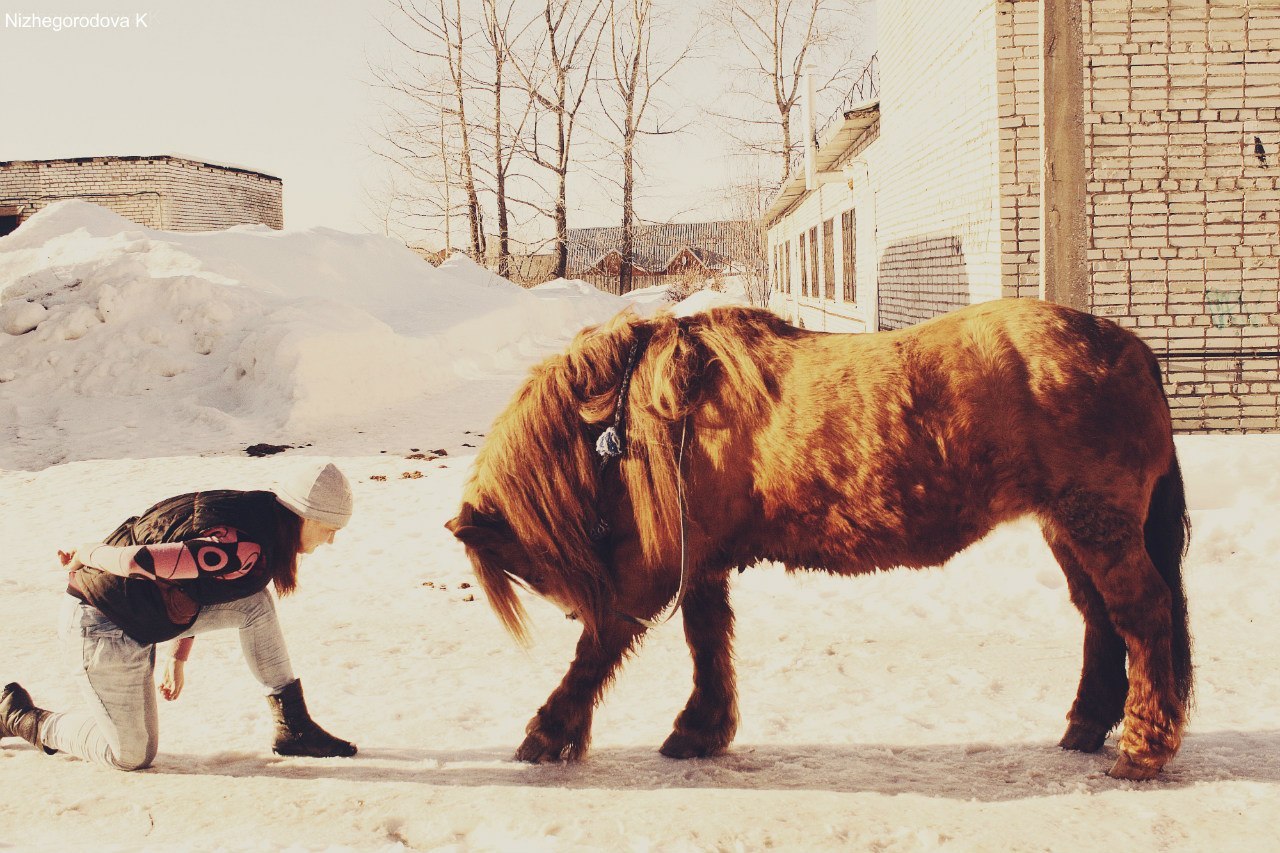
{"points": [[610, 445]]}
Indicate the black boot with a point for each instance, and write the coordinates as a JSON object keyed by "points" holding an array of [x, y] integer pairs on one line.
{"points": [[297, 733], [19, 717]]}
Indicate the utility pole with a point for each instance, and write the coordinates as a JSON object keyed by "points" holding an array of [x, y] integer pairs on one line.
{"points": [[1064, 229]]}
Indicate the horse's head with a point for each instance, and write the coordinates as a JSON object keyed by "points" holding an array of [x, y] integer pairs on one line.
{"points": [[538, 489], [502, 562]]}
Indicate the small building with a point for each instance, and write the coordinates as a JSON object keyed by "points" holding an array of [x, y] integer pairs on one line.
{"points": [[162, 192], [610, 264], [678, 250], [928, 197], [529, 269], [435, 257], [525, 267], [694, 260]]}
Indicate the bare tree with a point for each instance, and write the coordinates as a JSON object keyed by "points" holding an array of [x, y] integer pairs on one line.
{"points": [[636, 74], [429, 136], [557, 75], [746, 202], [502, 40], [463, 115], [419, 191], [778, 39]]}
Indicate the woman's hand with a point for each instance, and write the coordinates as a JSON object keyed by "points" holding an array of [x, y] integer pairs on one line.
{"points": [[170, 685], [69, 559]]}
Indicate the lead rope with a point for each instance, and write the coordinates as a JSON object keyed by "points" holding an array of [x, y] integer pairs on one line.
{"points": [[664, 615]]}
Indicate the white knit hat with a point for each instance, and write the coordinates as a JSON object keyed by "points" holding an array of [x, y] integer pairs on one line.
{"points": [[318, 491]]}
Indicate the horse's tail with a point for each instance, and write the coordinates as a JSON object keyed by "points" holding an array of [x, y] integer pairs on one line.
{"points": [[1167, 533]]}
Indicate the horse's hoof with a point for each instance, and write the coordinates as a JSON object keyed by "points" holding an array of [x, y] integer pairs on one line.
{"points": [[1084, 737], [538, 749], [687, 745], [1126, 767]]}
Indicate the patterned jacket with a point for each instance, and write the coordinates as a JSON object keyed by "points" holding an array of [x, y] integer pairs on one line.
{"points": [[153, 573]]}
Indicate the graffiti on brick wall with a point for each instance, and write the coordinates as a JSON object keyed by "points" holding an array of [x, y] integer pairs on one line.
{"points": [[1227, 309]]}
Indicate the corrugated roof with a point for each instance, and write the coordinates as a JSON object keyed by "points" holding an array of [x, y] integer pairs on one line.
{"points": [[717, 243]]}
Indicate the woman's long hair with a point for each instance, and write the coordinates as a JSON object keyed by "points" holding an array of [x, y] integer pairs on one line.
{"points": [[284, 551]]}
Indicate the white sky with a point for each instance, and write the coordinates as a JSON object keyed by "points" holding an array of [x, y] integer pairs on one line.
{"points": [[276, 86], [271, 86]]}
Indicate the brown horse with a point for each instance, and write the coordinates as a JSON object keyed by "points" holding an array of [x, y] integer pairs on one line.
{"points": [[844, 453]]}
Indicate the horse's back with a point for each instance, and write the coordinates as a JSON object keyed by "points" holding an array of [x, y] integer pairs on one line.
{"points": [[1021, 364], [1084, 381], [960, 423]]}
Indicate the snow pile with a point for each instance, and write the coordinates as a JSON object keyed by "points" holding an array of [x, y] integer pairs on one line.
{"points": [[647, 301], [577, 289], [462, 268], [706, 299], [118, 338]]}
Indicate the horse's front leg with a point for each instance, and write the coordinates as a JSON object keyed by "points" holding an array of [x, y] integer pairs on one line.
{"points": [[561, 730], [709, 720]]}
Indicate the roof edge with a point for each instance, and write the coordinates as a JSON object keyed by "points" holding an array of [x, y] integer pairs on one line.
{"points": [[129, 158], [858, 118]]}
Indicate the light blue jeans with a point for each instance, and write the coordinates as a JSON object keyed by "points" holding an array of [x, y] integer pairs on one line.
{"points": [[118, 725]]}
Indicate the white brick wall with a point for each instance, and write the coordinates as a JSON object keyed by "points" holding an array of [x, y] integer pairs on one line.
{"points": [[926, 190], [1018, 70], [158, 192], [935, 167]]}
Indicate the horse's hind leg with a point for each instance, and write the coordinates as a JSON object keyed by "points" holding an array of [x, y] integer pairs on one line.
{"points": [[1109, 546], [561, 730], [1099, 703], [710, 718]]}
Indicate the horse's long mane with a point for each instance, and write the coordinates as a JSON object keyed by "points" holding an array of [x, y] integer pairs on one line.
{"points": [[539, 472]]}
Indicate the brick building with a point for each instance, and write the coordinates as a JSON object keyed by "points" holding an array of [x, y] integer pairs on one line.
{"points": [[929, 196], [169, 193]]}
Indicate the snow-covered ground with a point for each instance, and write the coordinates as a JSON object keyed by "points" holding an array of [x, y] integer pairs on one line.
{"points": [[896, 712]]}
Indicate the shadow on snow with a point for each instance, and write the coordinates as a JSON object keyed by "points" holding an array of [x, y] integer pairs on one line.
{"points": [[986, 772]]}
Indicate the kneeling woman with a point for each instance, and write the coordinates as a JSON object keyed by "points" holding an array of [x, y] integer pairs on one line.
{"points": [[193, 563]]}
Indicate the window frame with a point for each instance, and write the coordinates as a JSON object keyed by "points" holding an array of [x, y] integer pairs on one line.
{"points": [[815, 287], [804, 264], [829, 259], [849, 254]]}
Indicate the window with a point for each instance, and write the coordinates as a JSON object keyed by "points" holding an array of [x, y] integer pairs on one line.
{"points": [[786, 263], [9, 220], [849, 267], [778, 285], [773, 268], [813, 262], [829, 259], [804, 265]]}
